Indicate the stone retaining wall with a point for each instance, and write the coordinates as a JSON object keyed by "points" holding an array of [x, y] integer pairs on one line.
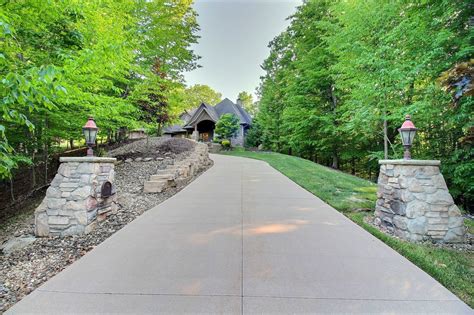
{"points": [[197, 160], [73, 202], [414, 202]]}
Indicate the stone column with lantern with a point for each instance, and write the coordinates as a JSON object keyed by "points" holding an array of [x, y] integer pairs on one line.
{"points": [[81, 194], [413, 200], [195, 134]]}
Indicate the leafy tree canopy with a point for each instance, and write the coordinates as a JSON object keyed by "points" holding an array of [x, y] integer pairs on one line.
{"points": [[227, 126], [197, 94], [340, 79], [247, 101], [61, 61]]}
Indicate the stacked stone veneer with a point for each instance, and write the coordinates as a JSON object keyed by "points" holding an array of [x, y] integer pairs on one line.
{"points": [[73, 202], [413, 201], [197, 160]]}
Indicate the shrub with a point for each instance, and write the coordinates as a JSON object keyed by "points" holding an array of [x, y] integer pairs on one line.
{"points": [[254, 136], [225, 144], [99, 151], [227, 126]]}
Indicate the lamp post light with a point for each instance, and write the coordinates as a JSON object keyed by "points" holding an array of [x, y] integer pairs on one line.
{"points": [[90, 133], [407, 132]]}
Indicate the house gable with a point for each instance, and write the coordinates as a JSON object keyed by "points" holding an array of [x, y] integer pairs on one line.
{"points": [[204, 112]]}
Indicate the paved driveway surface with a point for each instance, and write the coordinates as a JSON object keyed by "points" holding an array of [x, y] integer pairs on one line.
{"points": [[242, 238]]}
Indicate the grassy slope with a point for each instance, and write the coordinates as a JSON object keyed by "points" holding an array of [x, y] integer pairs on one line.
{"points": [[340, 190], [454, 269]]}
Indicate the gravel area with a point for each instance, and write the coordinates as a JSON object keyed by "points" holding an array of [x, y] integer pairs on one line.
{"points": [[32, 263]]}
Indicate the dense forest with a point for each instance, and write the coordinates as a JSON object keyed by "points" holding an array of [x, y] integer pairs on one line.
{"points": [[337, 84], [61, 61], [340, 79]]}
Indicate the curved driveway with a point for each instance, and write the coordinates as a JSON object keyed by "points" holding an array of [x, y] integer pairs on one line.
{"points": [[242, 238]]}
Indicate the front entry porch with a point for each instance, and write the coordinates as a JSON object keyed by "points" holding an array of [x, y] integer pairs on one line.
{"points": [[204, 131]]}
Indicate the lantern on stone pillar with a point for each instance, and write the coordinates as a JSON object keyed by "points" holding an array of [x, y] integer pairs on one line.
{"points": [[407, 133], [90, 133]]}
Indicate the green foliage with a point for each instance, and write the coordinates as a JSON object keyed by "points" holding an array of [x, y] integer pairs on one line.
{"points": [[61, 61], [343, 68], [254, 135], [197, 94], [100, 152], [227, 126], [247, 102]]}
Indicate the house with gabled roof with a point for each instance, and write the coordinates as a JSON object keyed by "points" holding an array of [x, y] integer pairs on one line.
{"points": [[199, 124]]}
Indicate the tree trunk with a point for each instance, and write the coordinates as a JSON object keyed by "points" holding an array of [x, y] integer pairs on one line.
{"points": [[335, 157], [11, 189], [46, 157], [385, 135], [353, 170], [335, 160], [158, 130], [33, 171], [71, 143], [46, 148]]}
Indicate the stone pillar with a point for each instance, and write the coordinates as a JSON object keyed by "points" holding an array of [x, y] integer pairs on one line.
{"points": [[74, 201], [195, 135], [414, 202]]}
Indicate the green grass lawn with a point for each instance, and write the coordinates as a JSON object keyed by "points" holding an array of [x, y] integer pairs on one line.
{"points": [[342, 191], [454, 269]]}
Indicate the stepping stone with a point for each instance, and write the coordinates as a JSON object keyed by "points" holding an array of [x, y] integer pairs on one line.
{"points": [[162, 176], [154, 186], [167, 171]]}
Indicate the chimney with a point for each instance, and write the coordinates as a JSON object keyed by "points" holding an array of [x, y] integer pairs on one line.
{"points": [[239, 102]]}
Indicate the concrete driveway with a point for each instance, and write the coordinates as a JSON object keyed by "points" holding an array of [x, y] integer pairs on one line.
{"points": [[242, 238]]}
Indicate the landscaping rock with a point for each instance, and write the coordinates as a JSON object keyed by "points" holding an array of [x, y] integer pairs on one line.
{"points": [[17, 243], [196, 159], [154, 186], [27, 268]]}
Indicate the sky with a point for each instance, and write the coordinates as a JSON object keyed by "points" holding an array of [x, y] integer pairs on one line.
{"points": [[234, 41]]}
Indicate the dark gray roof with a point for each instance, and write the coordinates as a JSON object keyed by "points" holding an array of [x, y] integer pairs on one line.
{"points": [[185, 116], [247, 118], [212, 111], [173, 129], [228, 107]]}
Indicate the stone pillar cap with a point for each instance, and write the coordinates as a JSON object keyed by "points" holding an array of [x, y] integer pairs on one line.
{"points": [[411, 162], [87, 159]]}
